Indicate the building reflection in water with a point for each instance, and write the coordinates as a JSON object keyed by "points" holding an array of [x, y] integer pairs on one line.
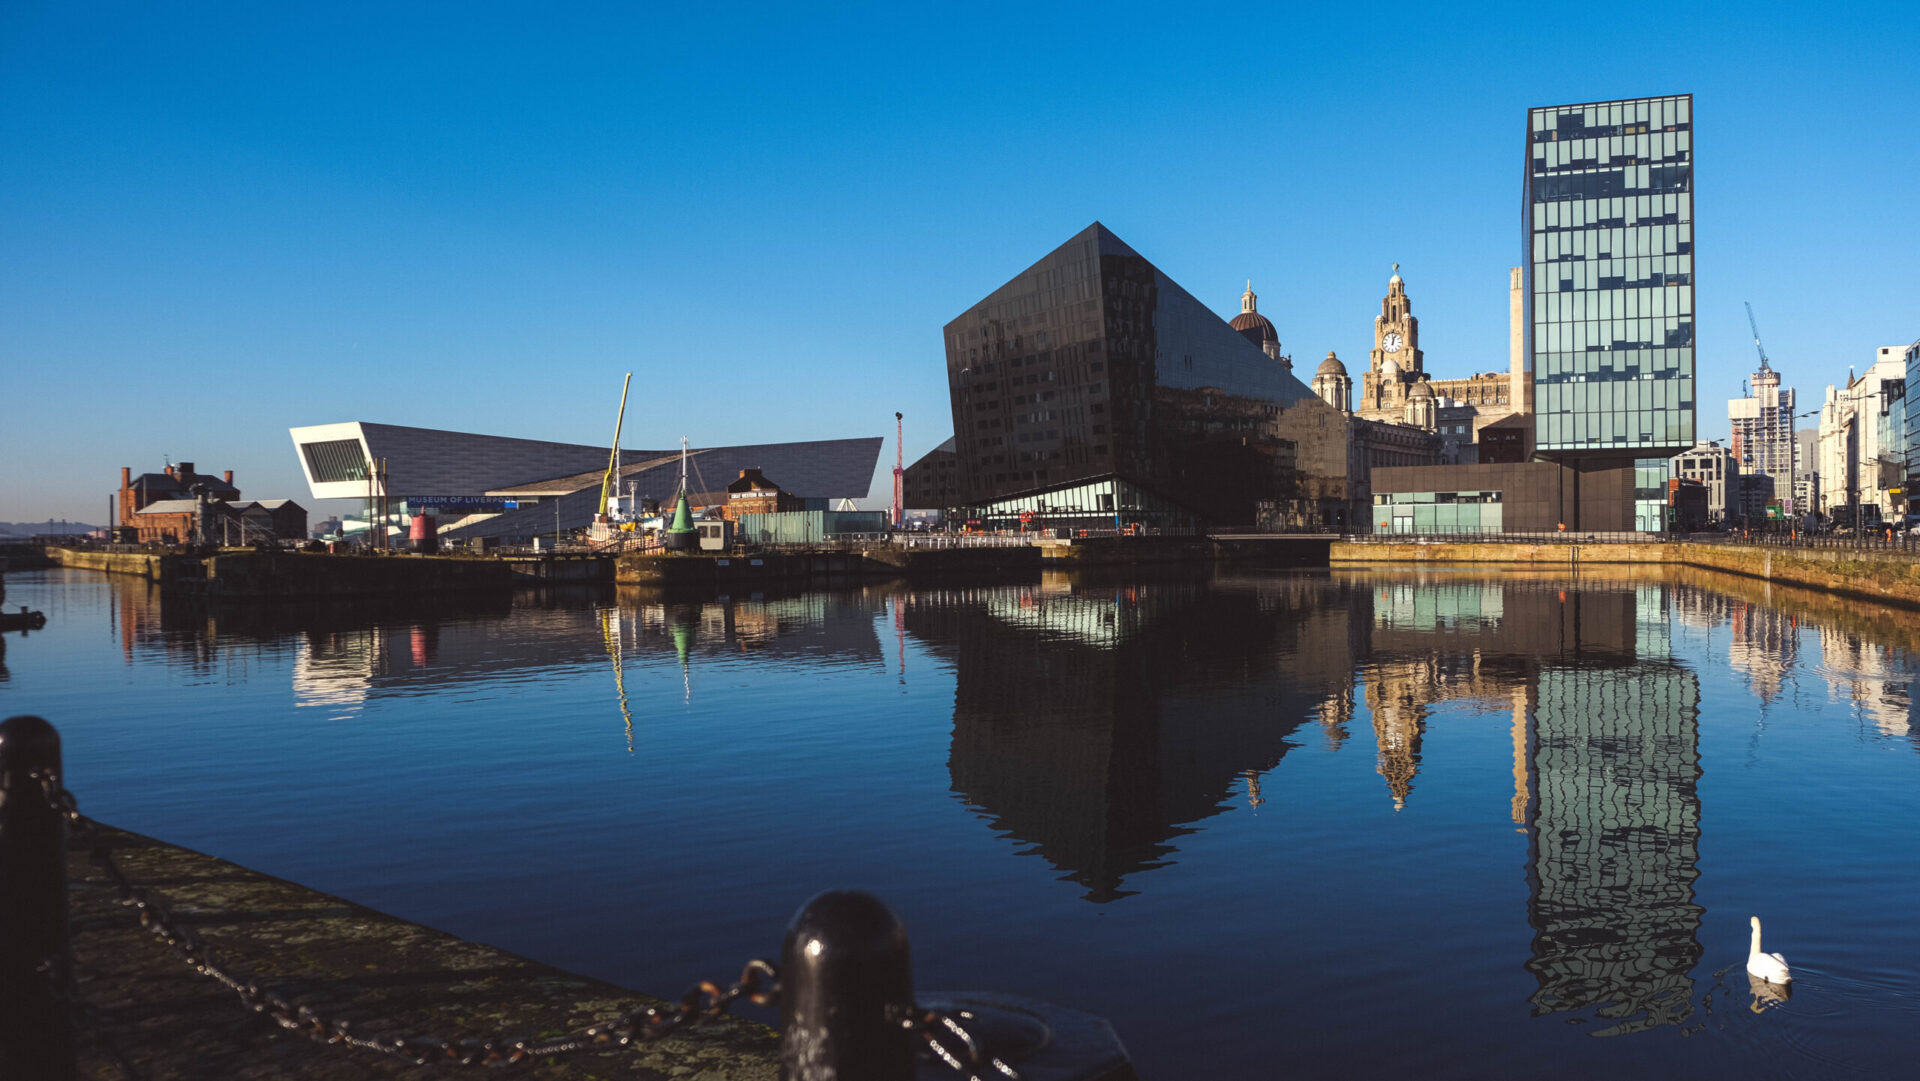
{"points": [[1097, 723], [1614, 843], [1605, 744]]}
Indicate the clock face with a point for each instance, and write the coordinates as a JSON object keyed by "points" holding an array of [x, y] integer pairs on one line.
{"points": [[1391, 343]]}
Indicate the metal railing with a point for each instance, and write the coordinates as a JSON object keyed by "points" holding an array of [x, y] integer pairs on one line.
{"points": [[961, 540], [1543, 537], [844, 985], [1871, 541], [1878, 541]]}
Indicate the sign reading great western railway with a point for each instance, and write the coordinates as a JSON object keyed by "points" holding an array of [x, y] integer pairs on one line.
{"points": [[463, 504]]}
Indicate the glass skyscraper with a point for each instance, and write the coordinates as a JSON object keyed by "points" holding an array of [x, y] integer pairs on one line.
{"points": [[1608, 218]]}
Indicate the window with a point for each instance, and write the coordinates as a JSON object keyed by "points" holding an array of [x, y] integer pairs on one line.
{"points": [[337, 460]]}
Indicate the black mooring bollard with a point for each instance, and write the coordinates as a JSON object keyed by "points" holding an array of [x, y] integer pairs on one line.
{"points": [[36, 1029], [843, 966]]}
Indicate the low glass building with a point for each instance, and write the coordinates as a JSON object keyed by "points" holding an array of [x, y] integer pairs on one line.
{"points": [[1092, 387]]}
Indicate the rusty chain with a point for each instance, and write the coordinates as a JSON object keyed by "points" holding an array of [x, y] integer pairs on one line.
{"points": [[950, 1042], [946, 1039], [706, 1001]]}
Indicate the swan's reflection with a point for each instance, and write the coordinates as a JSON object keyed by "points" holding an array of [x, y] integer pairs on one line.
{"points": [[1767, 995]]}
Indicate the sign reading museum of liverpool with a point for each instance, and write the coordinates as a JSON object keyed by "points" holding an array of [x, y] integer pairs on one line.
{"points": [[464, 504]]}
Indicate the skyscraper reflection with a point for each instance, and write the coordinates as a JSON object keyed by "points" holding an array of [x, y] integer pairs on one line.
{"points": [[1614, 843], [1605, 759]]}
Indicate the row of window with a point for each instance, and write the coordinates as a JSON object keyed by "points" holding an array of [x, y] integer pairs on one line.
{"points": [[1614, 335], [1633, 180], [1610, 397], [1581, 275], [1616, 281], [1605, 131], [1668, 208], [1572, 121], [1611, 242], [1580, 306], [1590, 157], [1439, 497], [1579, 431]]}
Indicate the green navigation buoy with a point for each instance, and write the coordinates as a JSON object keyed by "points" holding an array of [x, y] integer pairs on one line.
{"points": [[681, 536]]}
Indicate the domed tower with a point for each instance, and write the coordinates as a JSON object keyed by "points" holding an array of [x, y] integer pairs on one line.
{"points": [[1257, 328], [1330, 382], [1423, 410]]}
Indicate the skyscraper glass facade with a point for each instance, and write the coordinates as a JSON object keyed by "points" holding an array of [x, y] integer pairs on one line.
{"points": [[1608, 219]]}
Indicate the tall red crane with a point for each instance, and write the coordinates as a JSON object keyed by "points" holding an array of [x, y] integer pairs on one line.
{"points": [[899, 471]]}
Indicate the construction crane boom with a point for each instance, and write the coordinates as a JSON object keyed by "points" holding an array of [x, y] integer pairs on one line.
{"points": [[613, 455], [1764, 366]]}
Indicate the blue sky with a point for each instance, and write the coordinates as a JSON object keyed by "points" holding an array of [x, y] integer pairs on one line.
{"points": [[222, 220]]}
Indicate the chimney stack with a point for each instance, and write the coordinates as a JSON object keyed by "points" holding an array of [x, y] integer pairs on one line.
{"points": [[126, 478], [169, 471], [229, 477]]}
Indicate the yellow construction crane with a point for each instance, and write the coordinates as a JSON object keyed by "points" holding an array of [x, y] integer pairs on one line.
{"points": [[613, 455]]}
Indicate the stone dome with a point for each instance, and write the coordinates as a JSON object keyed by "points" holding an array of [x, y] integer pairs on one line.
{"points": [[1390, 370], [1331, 366], [1422, 389], [1253, 326], [1256, 328]]}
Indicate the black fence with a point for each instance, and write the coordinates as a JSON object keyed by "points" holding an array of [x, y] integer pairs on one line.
{"points": [[1876, 541], [844, 985], [1545, 537]]}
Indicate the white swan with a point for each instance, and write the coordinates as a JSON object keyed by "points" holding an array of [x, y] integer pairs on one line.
{"points": [[1770, 967]]}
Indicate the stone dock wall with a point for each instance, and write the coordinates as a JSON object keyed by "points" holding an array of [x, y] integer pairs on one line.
{"points": [[1880, 575], [248, 575], [711, 570], [146, 565], [387, 976]]}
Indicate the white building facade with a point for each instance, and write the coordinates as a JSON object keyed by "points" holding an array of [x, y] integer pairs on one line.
{"points": [[1862, 463]]}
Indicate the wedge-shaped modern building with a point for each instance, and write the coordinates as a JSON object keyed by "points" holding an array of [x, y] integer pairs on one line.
{"points": [[531, 487], [1092, 390]]}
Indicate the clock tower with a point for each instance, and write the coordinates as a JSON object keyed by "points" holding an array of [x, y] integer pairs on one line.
{"points": [[1396, 333], [1396, 362]]}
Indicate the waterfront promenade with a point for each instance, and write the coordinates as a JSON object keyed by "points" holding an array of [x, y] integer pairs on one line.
{"points": [[1890, 573], [388, 976]]}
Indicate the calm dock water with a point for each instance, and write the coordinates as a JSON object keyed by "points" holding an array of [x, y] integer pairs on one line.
{"points": [[1344, 823]]}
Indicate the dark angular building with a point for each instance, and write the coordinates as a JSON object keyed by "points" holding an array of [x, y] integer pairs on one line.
{"points": [[1093, 391], [932, 483]]}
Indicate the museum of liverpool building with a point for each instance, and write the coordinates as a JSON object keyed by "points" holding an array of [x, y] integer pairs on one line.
{"points": [[496, 486], [1092, 391]]}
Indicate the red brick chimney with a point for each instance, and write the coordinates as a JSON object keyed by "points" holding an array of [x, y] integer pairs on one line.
{"points": [[126, 478], [169, 471], [229, 478]]}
